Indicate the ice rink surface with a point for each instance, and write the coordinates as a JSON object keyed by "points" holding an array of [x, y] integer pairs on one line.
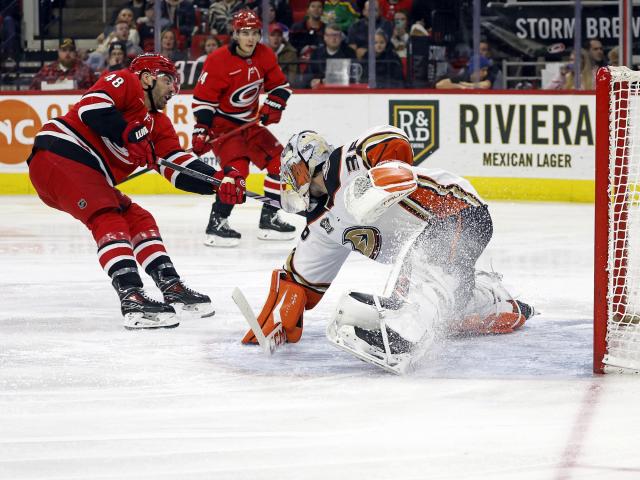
{"points": [[82, 398]]}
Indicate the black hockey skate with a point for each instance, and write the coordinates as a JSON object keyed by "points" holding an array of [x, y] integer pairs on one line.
{"points": [[272, 227], [219, 234], [140, 311], [181, 297]]}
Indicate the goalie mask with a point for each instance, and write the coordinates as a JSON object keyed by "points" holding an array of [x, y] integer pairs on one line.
{"points": [[301, 159]]}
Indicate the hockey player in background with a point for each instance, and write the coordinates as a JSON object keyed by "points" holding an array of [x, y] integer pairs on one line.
{"points": [[78, 159], [430, 224], [226, 97]]}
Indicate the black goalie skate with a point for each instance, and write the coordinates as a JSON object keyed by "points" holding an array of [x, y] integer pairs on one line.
{"points": [[272, 227]]}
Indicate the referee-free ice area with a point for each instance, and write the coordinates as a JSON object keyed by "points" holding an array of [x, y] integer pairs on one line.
{"points": [[82, 398]]}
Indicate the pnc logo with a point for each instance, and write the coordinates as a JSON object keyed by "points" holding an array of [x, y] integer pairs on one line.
{"points": [[19, 123]]}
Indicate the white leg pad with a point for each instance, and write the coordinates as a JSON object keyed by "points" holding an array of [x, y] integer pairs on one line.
{"points": [[370, 312]]}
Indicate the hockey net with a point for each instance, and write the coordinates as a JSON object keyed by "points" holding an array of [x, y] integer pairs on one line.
{"points": [[617, 236]]}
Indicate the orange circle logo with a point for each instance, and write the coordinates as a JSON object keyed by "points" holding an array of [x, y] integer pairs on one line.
{"points": [[19, 123]]}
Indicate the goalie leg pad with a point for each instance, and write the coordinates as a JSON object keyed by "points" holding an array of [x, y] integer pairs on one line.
{"points": [[284, 305], [492, 309], [366, 326]]}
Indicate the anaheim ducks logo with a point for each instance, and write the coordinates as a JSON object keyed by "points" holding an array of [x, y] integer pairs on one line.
{"points": [[366, 240], [246, 95]]}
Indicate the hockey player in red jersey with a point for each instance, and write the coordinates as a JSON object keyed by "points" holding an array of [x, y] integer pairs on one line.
{"points": [[78, 159], [431, 225], [226, 97]]}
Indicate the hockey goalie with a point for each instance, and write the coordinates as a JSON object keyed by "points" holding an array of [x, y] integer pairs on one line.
{"points": [[429, 224]]}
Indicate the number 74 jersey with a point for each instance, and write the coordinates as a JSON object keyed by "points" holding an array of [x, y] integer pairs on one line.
{"points": [[332, 232]]}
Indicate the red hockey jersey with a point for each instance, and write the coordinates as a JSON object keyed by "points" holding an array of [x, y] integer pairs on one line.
{"points": [[91, 132], [230, 85]]}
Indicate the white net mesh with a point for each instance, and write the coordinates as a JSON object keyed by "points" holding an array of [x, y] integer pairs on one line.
{"points": [[623, 297]]}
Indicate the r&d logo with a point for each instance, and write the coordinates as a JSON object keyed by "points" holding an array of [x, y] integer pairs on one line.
{"points": [[19, 123], [419, 121]]}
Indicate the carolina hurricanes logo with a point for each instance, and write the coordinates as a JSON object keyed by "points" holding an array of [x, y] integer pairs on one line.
{"points": [[366, 240], [246, 95]]}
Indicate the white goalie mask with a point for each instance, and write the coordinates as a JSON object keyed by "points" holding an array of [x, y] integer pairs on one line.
{"points": [[301, 158]]}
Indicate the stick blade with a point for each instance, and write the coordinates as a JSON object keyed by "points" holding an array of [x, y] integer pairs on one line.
{"points": [[269, 343]]}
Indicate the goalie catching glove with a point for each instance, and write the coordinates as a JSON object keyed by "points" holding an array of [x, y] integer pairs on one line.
{"points": [[285, 305], [368, 196]]}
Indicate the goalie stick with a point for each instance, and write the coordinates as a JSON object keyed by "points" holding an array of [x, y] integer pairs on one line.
{"points": [[269, 343]]}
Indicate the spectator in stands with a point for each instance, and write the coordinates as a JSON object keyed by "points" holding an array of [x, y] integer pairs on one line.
{"points": [[389, 8], [10, 16], [124, 15], [281, 10], [614, 57], [182, 16], [440, 20], [421, 13], [284, 15], [339, 12], [310, 30], [272, 19], [495, 72], [220, 15], [596, 53], [210, 44], [169, 46], [117, 56], [596, 56], [400, 35], [333, 47], [388, 65], [98, 59], [146, 27], [67, 71], [476, 75], [287, 55], [358, 37], [586, 73], [137, 7]]}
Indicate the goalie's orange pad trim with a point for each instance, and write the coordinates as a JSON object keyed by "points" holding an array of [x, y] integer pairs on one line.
{"points": [[500, 323], [285, 304], [393, 177], [387, 146]]}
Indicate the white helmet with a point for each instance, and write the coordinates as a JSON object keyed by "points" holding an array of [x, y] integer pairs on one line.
{"points": [[301, 158]]}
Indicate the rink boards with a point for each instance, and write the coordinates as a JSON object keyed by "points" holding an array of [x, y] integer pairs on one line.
{"points": [[511, 145]]}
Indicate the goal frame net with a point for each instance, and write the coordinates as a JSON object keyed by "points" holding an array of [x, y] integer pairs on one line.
{"points": [[617, 222]]}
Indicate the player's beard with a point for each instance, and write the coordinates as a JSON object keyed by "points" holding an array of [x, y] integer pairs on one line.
{"points": [[159, 101]]}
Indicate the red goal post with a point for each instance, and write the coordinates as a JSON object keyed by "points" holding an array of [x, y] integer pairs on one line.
{"points": [[617, 222]]}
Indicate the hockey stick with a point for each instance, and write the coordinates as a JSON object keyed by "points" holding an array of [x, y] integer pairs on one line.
{"points": [[269, 343], [137, 174], [218, 139], [214, 181], [235, 131]]}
